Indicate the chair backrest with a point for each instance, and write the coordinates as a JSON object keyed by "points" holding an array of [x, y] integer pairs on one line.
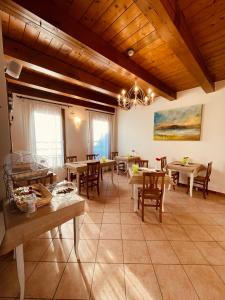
{"points": [[153, 182], [91, 156], [114, 154], [143, 163], [71, 158], [209, 170], [163, 163], [93, 169]]}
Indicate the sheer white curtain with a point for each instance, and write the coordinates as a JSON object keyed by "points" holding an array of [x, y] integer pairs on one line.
{"points": [[101, 133], [39, 128]]}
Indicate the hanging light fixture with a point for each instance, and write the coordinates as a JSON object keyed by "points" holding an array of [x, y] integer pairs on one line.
{"points": [[134, 97]]}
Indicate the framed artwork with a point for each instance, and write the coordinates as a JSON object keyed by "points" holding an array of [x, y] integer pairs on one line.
{"points": [[180, 124]]}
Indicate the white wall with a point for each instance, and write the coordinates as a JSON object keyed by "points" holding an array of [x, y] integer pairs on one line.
{"points": [[135, 131]]}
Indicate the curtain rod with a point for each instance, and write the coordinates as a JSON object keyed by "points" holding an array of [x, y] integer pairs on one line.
{"points": [[100, 111], [44, 101]]}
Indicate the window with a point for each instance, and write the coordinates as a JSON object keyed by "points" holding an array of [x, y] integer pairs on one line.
{"points": [[49, 137], [101, 141]]}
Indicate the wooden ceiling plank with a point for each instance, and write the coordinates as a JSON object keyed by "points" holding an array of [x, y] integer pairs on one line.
{"points": [[36, 58], [48, 82], [16, 28], [4, 17], [32, 92], [173, 30], [78, 32]]}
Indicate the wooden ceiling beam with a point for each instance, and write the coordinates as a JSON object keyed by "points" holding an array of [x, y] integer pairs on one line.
{"points": [[63, 26], [170, 23], [34, 59], [42, 81], [31, 92]]}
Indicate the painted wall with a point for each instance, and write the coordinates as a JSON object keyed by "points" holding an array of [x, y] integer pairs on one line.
{"points": [[135, 131]]}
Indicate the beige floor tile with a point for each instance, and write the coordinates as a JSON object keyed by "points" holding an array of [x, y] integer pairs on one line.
{"points": [[168, 218], [150, 217], [44, 280], [153, 232], [112, 199], [93, 217], [185, 218], [217, 232], [110, 251], [111, 218], [110, 232], [114, 207], [93, 206], [59, 250], [174, 283], [220, 270], [212, 252], [161, 252], [90, 231], [197, 233], [127, 207], [135, 252], [87, 251], [130, 218], [34, 249], [132, 232], [141, 282], [219, 218], [206, 282], [222, 244], [175, 233], [204, 219], [9, 286], [108, 282], [76, 281], [188, 253]]}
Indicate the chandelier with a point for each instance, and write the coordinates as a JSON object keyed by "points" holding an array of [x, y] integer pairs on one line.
{"points": [[134, 97]]}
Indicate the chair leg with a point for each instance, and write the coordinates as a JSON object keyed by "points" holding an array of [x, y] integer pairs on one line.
{"points": [[188, 185], [87, 187], [142, 206], [204, 191], [178, 178], [160, 211], [98, 187]]}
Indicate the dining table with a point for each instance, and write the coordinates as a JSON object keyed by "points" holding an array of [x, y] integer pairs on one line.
{"points": [[22, 227], [136, 180], [190, 169], [127, 159], [80, 167]]}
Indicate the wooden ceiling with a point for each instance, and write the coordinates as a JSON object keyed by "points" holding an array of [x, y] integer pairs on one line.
{"points": [[79, 48]]}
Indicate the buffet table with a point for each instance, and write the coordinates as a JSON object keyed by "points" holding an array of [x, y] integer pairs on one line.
{"points": [[21, 227]]}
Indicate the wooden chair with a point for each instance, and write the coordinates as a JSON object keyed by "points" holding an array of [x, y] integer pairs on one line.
{"points": [[143, 163], [70, 159], [151, 193], [91, 156], [91, 177], [175, 174], [202, 181], [120, 165]]}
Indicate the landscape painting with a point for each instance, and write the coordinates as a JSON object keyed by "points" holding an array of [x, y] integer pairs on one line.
{"points": [[181, 124]]}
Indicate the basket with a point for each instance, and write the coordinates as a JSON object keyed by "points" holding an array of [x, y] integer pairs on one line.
{"points": [[45, 199], [23, 171]]}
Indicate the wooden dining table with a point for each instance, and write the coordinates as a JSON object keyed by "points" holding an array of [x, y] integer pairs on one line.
{"points": [[136, 180], [22, 227], [80, 167], [191, 170]]}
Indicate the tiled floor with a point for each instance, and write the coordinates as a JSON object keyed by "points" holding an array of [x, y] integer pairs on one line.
{"points": [[123, 258]]}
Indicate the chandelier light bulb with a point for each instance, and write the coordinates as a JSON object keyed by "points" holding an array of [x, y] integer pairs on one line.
{"points": [[153, 95], [118, 97], [123, 92], [136, 88], [149, 91]]}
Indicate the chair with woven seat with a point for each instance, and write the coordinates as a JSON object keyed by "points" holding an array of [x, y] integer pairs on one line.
{"points": [[175, 174], [91, 156], [91, 177], [119, 165], [152, 192], [202, 181], [70, 159]]}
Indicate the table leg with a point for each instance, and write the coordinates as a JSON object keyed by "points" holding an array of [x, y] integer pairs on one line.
{"points": [[135, 197], [78, 183], [132, 191], [170, 174], [191, 183], [20, 269], [163, 198], [76, 232]]}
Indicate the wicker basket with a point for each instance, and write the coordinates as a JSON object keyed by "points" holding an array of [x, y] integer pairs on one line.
{"points": [[25, 171], [44, 200]]}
